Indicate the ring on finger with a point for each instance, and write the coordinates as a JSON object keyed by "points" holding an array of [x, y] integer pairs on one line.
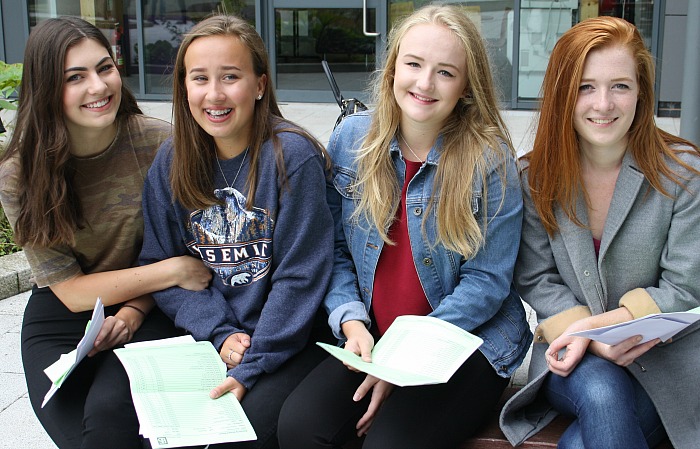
{"points": [[229, 355]]}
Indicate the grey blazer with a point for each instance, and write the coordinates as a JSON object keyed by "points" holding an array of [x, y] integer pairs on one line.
{"points": [[649, 242]]}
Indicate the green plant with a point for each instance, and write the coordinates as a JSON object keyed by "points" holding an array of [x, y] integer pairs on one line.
{"points": [[10, 78], [7, 243]]}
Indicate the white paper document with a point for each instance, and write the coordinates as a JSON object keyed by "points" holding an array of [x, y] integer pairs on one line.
{"points": [[658, 325], [170, 383], [59, 371], [415, 350]]}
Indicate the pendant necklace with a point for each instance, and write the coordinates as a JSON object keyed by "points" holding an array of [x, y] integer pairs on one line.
{"points": [[411, 149], [230, 186]]}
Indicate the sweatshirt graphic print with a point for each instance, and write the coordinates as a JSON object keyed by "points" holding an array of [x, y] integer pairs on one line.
{"points": [[234, 242]]}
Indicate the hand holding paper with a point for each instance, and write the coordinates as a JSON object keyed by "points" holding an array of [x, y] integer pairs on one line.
{"points": [[170, 382], [415, 350], [660, 325], [59, 371]]}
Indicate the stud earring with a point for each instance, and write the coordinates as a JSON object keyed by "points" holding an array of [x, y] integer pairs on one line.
{"points": [[259, 96]]}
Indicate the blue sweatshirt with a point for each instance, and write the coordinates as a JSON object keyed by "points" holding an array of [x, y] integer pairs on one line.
{"points": [[271, 263]]}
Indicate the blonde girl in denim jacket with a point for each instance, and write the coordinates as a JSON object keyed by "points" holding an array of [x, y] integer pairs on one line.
{"points": [[428, 210]]}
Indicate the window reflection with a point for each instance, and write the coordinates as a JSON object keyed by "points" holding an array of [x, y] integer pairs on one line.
{"points": [[304, 37], [494, 19], [542, 22], [164, 23]]}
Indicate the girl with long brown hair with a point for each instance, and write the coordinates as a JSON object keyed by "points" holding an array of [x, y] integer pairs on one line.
{"points": [[70, 184], [243, 189]]}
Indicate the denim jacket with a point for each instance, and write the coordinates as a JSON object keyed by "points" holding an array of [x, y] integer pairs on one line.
{"points": [[474, 294]]}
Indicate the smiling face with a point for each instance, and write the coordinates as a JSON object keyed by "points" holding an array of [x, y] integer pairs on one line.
{"points": [[607, 99], [222, 89], [430, 75], [92, 88]]}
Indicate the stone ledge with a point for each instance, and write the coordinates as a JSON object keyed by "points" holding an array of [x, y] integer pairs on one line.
{"points": [[14, 275]]}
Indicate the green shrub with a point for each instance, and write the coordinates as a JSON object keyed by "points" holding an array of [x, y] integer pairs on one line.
{"points": [[7, 243], [10, 78]]}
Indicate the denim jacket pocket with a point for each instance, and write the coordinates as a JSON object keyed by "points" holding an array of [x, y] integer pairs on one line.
{"points": [[345, 183]]}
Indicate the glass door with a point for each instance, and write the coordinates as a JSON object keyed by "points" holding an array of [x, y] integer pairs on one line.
{"points": [[347, 33]]}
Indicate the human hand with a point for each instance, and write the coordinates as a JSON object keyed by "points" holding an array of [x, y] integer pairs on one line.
{"points": [[623, 353], [228, 385], [116, 330], [565, 353], [234, 348], [380, 391], [359, 340], [191, 273]]}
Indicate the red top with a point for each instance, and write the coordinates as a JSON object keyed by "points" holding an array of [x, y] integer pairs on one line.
{"points": [[596, 246], [397, 288]]}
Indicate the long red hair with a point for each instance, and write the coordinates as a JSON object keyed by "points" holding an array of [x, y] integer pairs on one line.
{"points": [[554, 172]]}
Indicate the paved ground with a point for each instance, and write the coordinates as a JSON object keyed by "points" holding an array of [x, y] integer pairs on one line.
{"points": [[18, 425]]}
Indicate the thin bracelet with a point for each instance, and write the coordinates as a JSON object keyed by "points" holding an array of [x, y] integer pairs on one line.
{"points": [[135, 308]]}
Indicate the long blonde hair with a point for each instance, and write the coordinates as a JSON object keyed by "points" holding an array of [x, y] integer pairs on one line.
{"points": [[474, 125]]}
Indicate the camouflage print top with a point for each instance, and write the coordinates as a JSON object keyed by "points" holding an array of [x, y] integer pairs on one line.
{"points": [[109, 186]]}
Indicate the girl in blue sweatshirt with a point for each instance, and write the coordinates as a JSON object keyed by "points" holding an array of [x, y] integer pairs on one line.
{"points": [[244, 190]]}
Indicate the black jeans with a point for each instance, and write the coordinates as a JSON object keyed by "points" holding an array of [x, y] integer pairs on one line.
{"points": [[93, 408], [320, 413], [262, 403]]}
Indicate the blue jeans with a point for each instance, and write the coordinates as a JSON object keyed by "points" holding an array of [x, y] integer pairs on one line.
{"points": [[609, 406]]}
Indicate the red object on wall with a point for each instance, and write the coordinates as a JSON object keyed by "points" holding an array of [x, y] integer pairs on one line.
{"points": [[117, 47]]}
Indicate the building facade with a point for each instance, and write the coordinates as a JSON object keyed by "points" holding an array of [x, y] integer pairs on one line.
{"points": [[351, 35]]}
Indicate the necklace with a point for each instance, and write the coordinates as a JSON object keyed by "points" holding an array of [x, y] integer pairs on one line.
{"points": [[230, 186], [411, 149]]}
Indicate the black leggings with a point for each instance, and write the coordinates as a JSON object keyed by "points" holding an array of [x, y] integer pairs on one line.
{"points": [[263, 402], [93, 408], [320, 413]]}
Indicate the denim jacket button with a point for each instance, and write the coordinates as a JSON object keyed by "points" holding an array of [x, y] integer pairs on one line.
{"points": [[427, 261], [417, 211]]}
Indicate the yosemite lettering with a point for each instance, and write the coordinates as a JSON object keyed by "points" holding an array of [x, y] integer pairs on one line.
{"points": [[234, 253]]}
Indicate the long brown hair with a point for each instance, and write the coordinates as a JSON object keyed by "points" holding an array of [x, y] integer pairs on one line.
{"points": [[191, 176], [475, 124], [50, 212], [554, 172]]}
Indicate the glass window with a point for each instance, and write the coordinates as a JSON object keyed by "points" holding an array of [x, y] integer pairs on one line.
{"points": [[494, 19], [164, 23], [542, 22], [305, 36]]}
